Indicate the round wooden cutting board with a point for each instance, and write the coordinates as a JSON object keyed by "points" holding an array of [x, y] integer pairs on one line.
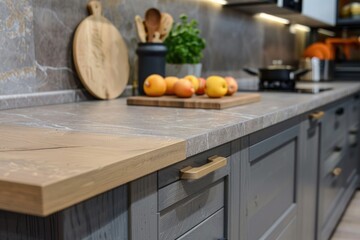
{"points": [[100, 55]]}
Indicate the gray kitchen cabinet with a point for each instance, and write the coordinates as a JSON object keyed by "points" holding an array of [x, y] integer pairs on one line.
{"points": [[170, 207], [269, 184], [338, 159], [308, 175], [352, 131], [291, 180]]}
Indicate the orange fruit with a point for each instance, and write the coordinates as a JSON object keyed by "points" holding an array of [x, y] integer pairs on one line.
{"points": [[154, 85]]}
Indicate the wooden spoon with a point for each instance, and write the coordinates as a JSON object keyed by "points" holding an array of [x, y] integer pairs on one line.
{"points": [[152, 22], [140, 28], [165, 25], [156, 38]]}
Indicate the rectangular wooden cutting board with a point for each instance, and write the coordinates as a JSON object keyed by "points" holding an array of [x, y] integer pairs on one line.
{"points": [[203, 102]]}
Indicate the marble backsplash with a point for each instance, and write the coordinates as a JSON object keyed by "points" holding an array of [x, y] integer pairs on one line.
{"points": [[36, 42]]}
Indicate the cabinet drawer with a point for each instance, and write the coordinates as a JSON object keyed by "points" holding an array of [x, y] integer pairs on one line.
{"points": [[182, 189], [355, 110], [211, 229], [272, 181], [187, 214], [335, 155], [171, 174], [352, 161], [332, 190], [333, 129], [289, 232]]}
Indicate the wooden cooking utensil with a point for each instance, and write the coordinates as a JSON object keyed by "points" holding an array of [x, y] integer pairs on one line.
{"points": [[100, 55], [152, 22], [157, 38], [165, 25], [140, 28]]}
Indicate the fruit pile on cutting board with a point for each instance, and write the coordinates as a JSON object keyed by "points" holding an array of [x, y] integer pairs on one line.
{"points": [[191, 92], [214, 86]]}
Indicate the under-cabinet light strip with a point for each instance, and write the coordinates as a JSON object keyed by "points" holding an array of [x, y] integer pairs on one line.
{"points": [[326, 32], [273, 18], [301, 27], [222, 2]]}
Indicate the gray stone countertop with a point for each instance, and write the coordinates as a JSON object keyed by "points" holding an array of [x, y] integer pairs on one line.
{"points": [[201, 129]]}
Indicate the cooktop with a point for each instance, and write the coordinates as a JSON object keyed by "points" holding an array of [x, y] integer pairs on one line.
{"points": [[312, 90], [291, 86]]}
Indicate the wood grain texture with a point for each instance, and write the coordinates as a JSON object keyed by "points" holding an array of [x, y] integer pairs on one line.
{"points": [[14, 226], [43, 171], [203, 102], [102, 217], [100, 55], [349, 226], [143, 208]]}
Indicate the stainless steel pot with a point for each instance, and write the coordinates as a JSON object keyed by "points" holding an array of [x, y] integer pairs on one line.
{"points": [[320, 70]]}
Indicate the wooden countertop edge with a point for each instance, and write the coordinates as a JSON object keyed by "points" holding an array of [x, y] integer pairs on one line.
{"points": [[45, 200]]}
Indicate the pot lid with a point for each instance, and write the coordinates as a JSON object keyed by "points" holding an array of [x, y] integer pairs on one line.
{"points": [[277, 64]]}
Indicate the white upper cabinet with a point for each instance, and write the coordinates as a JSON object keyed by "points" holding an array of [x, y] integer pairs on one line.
{"points": [[321, 10]]}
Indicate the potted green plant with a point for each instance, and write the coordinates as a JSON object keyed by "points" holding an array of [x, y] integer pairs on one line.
{"points": [[184, 49]]}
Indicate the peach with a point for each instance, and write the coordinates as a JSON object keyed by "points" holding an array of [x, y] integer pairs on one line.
{"points": [[154, 85], [216, 87], [193, 80], [202, 84], [170, 82], [232, 85], [183, 88]]}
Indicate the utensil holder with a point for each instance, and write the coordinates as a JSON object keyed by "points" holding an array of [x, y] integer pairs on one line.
{"points": [[151, 61]]}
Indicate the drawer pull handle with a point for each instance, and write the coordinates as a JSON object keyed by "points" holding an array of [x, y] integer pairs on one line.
{"points": [[337, 149], [192, 173], [340, 111], [317, 115], [353, 139], [337, 171], [354, 131]]}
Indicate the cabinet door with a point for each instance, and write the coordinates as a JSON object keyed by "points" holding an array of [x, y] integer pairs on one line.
{"points": [[310, 8], [351, 164], [308, 175], [271, 201], [337, 170]]}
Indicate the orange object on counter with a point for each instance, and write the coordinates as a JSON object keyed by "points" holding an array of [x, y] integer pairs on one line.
{"points": [[346, 43], [318, 50]]}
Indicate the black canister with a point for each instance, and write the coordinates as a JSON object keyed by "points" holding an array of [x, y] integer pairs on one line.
{"points": [[151, 61]]}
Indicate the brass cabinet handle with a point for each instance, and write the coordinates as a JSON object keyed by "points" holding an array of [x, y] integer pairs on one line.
{"points": [[352, 139], [354, 131], [317, 115], [337, 171], [192, 173]]}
